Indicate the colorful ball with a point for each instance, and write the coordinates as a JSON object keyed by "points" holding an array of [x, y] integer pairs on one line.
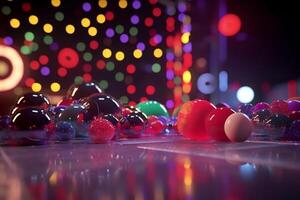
{"points": [[101, 130], [191, 119], [36, 100], [99, 105], [238, 127], [246, 108], [113, 119], [294, 115], [153, 108], [132, 126], [260, 106], [64, 131], [154, 125], [279, 107], [215, 123], [83, 90], [293, 105], [30, 118]]}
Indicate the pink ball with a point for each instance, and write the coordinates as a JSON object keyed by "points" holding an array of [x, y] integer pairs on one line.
{"points": [[101, 130], [238, 127]]}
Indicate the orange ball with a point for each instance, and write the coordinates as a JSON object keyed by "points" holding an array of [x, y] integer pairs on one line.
{"points": [[191, 119]]}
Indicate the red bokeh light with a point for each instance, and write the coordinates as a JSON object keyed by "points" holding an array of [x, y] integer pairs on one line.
{"points": [[87, 77], [131, 103], [131, 89], [148, 21], [68, 58], [94, 44], [34, 65], [44, 59], [150, 90], [156, 12], [29, 82], [153, 1], [130, 69], [26, 7], [143, 99], [229, 25], [62, 72], [109, 16], [100, 64], [87, 67]]}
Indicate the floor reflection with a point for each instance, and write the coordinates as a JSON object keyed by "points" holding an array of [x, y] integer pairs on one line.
{"points": [[135, 171]]}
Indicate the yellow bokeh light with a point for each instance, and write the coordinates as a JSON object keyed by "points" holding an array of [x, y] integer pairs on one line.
{"points": [[120, 56], [55, 87], [123, 4], [158, 53], [185, 38], [100, 18], [14, 23], [106, 53], [36, 87], [186, 88], [55, 3], [137, 53], [33, 19], [92, 31], [102, 3], [48, 28], [70, 29], [85, 22], [186, 76]]}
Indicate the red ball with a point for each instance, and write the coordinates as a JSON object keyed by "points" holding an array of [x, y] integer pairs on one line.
{"points": [[191, 119], [154, 125], [215, 123], [126, 111], [101, 130], [295, 115], [279, 107]]}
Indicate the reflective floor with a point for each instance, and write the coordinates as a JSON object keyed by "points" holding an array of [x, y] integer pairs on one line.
{"points": [[161, 168]]}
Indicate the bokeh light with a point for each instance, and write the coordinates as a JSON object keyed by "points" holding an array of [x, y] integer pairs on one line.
{"points": [[70, 29], [48, 28], [36, 87], [120, 56], [14, 23], [55, 87], [33, 19]]}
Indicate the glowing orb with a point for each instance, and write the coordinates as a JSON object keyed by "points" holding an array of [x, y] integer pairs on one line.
{"points": [[229, 25], [17, 71], [68, 58]]}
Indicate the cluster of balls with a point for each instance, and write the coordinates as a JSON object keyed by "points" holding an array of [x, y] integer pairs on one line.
{"points": [[279, 120], [201, 120], [84, 113]]}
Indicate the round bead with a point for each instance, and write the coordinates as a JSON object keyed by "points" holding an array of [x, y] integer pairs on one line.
{"points": [[101, 130], [260, 106], [238, 127], [191, 119], [83, 90], [99, 105], [132, 126], [30, 119], [293, 105], [153, 108], [37, 100], [279, 107], [154, 125], [246, 108], [64, 131], [215, 123]]}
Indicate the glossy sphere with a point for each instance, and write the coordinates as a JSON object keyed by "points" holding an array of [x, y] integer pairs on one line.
{"points": [[126, 111], [246, 108], [64, 131], [261, 116], [141, 114], [101, 130], [4, 122], [74, 113], [154, 125], [191, 119], [153, 108], [276, 126], [30, 119], [293, 105], [260, 106], [215, 123], [238, 127], [99, 105], [132, 126], [114, 120], [279, 107], [294, 115], [55, 111], [83, 90], [37, 100]]}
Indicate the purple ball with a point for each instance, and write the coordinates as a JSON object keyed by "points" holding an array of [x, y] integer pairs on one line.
{"points": [[293, 105], [246, 108], [260, 106]]}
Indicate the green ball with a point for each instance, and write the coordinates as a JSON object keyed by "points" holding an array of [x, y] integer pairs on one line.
{"points": [[153, 108]]}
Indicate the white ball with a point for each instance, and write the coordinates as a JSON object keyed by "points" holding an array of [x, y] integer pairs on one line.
{"points": [[238, 127]]}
